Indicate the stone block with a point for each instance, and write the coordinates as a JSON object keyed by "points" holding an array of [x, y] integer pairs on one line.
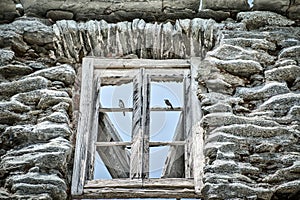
{"points": [[228, 5], [279, 6]]}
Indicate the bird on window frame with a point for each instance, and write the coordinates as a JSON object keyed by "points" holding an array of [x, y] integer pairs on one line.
{"points": [[122, 105], [168, 103]]}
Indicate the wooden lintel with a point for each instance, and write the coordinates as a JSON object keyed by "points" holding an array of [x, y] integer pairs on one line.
{"points": [[130, 109], [139, 63]]}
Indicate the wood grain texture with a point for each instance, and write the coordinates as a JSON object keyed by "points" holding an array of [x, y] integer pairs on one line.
{"points": [[84, 127]]}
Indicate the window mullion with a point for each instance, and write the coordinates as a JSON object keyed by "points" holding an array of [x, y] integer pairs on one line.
{"points": [[139, 160]]}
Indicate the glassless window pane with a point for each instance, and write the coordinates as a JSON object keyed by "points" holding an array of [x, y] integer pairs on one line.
{"points": [[123, 124], [157, 159], [101, 171], [163, 125], [173, 91], [110, 95]]}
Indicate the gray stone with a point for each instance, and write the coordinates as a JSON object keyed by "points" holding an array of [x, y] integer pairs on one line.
{"points": [[229, 5], [219, 85], [208, 99], [291, 53], [288, 74], [210, 76], [24, 85], [284, 62], [238, 67], [56, 15], [280, 104], [48, 101], [5, 195], [57, 117], [14, 106], [279, 6], [10, 39], [257, 19], [215, 120], [238, 191], [37, 183], [291, 187], [217, 108], [296, 85], [293, 11], [262, 92], [11, 70], [6, 56], [250, 42], [64, 73], [8, 11], [54, 154], [34, 97], [285, 174], [250, 130], [27, 134], [229, 52]]}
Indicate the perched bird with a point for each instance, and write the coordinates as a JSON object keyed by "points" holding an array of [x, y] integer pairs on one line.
{"points": [[168, 103], [122, 105]]}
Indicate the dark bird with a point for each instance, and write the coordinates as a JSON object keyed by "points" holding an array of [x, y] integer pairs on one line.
{"points": [[168, 103], [122, 105]]}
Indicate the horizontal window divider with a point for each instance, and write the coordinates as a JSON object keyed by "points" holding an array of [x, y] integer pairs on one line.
{"points": [[140, 63], [138, 183], [130, 109], [151, 144]]}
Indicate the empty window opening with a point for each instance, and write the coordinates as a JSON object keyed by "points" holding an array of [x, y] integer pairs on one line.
{"points": [[136, 131]]}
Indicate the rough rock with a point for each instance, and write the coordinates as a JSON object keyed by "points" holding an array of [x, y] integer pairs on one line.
{"points": [[279, 6], [34, 97], [284, 62], [257, 19], [10, 70], [209, 99], [289, 173], [250, 130], [10, 39], [280, 104], [24, 85], [38, 183], [293, 11], [288, 74], [8, 11], [217, 108], [56, 117], [53, 155], [56, 15], [214, 120], [44, 131], [236, 191], [291, 53], [229, 5], [6, 56], [64, 73], [266, 91], [244, 68], [250, 42], [210, 76], [229, 52]]}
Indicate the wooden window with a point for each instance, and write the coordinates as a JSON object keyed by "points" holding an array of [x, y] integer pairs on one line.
{"points": [[127, 161]]}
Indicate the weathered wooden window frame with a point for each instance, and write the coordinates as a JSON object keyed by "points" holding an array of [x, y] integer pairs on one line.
{"points": [[188, 187]]}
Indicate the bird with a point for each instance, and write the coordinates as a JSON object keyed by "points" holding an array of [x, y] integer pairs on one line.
{"points": [[168, 103], [122, 105]]}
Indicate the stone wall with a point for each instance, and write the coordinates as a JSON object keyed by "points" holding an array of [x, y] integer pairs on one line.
{"points": [[148, 10], [248, 87]]}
